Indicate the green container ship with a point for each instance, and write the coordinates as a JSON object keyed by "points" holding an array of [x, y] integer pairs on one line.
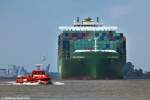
{"points": [[90, 50]]}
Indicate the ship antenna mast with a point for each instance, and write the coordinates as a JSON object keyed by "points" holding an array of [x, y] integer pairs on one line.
{"points": [[95, 44]]}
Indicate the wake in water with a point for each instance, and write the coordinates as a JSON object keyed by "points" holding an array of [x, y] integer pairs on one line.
{"points": [[28, 83]]}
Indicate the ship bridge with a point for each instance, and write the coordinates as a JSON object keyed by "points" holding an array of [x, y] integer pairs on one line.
{"points": [[88, 24]]}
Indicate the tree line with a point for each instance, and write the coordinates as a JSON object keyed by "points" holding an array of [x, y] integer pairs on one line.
{"points": [[130, 72]]}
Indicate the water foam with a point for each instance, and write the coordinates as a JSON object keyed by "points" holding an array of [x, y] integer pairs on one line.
{"points": [[28, 83]]}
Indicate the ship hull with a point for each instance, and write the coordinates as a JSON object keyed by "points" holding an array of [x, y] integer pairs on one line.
{"points": [[93, 65]]}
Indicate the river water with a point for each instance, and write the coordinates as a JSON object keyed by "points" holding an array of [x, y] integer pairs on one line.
{"points": [[79, 90]]}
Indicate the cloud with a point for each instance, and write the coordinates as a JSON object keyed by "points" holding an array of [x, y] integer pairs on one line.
{"points": [[119, 11]]}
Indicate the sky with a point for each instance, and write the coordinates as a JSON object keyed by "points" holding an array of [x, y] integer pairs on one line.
{"points": [[29, 28]]}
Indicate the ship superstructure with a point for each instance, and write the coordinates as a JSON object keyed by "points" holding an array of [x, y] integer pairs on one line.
{"points": [[91, 50]]}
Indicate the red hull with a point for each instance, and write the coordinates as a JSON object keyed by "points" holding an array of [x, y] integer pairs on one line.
{"points": [[37, 76]]}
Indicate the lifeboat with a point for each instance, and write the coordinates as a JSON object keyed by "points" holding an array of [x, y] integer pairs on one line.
{"points": [[37, 76]]}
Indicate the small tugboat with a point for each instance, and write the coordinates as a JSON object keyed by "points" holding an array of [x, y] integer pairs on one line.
{"points": [[37, 76]]}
